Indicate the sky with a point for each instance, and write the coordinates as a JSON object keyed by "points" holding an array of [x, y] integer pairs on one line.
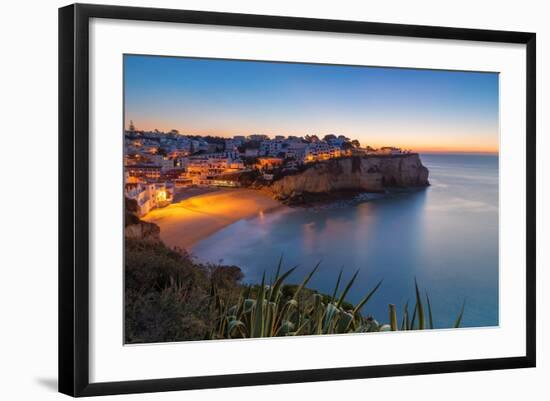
{"points": [[421, 110]]}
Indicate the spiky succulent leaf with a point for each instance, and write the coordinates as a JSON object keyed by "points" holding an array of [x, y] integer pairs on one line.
{"points": [[430, 317], [346, 290], [366, 298], [258, 328], [421, 322], [306, 280], [459, 318]]}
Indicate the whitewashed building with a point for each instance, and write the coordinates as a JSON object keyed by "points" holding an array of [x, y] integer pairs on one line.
{"points": [[149, 196]]}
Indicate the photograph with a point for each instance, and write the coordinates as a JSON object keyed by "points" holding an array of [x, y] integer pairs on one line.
{"points": [[280, 200], [276, 199]]}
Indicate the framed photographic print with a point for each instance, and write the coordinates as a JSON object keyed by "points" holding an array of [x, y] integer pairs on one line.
{"points": [[298, 199]]}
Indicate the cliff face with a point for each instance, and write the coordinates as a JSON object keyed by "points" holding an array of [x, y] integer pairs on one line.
{"points": [[135, 228], [142, 231], [369, 173]]}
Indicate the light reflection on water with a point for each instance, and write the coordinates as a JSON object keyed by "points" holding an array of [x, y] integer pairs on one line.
{"points": [[445, 235]]}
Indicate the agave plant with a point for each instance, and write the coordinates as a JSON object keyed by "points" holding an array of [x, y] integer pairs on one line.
{"points": [[264, 311], [418, 320]]}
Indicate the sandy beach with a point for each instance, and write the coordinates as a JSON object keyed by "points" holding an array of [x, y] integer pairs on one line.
{"points": [[185, 223]]}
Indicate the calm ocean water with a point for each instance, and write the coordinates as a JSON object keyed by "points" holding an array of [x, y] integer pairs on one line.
{"points": [[445, 235]]}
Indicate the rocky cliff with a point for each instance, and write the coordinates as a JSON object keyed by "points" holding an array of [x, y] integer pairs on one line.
{"points": [[137, 229], [367, 173]]}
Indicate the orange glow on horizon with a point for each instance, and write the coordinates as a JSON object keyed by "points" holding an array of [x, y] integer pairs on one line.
{"points": [[415, 138]]}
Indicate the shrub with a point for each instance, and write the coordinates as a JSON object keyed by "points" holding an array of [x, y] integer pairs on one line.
{"points": [[167, 294]]}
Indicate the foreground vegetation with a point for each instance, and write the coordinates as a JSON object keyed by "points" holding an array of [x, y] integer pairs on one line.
{"points": [[275, 310], [171, 297], [167, 294]]}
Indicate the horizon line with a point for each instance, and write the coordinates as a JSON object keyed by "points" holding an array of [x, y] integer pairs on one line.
{"points": [[481, 151]]}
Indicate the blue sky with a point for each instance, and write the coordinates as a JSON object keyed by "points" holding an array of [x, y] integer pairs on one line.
{"points": [[418, 109]]}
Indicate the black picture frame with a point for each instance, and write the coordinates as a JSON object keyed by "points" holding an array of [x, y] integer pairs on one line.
{"points": [[74, 200]]}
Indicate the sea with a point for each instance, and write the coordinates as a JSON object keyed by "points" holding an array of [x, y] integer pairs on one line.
{"points": [[445, 236]]}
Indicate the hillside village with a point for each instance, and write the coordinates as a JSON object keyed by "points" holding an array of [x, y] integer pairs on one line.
{"points": [[157, 163]]}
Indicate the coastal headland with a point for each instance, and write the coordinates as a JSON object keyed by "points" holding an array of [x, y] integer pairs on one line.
{"points": [[366, 174]]}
